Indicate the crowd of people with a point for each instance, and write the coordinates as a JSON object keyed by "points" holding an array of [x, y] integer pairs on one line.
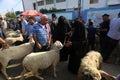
{"points": [[77, 39]]}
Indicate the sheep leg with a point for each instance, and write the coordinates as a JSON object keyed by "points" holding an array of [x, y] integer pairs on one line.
{"points": [[4, 71], [36, 74], [22, 74], [54, 69]]}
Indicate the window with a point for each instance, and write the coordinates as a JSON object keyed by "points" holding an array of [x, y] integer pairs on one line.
{"points": [[40, 3], [49, 1], [60, 1], [93, 1]]}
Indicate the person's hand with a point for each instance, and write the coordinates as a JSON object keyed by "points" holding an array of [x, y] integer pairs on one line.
{"points": [[39, 45], [68, 43], [4, 46], [49, 43]]}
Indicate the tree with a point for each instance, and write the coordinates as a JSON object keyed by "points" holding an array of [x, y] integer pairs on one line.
{"points": [[18, 12], [10, 15], [43, 11], [50, 10]]}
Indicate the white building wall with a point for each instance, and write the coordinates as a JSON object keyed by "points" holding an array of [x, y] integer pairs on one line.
{"points": [[28, 4], [85, 4], [101, 3], [61, 5], [113, 2], [72, 3]]}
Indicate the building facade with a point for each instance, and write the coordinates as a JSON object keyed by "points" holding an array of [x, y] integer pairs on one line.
{"points": [[68, 4], [93, 9]]}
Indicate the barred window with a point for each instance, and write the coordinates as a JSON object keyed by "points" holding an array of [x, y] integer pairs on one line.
{"points": [[93, 1], [40, 3], [49, 1], [60, 1]]}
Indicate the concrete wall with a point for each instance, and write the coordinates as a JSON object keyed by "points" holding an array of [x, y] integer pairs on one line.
{"points": [[96, 14], [70, 15], [85, 4], [113, 2], [28, 4]]}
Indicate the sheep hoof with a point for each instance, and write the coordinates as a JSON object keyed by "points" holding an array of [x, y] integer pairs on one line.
{"points": [[42, 78], [55, 76], [9, 78]]}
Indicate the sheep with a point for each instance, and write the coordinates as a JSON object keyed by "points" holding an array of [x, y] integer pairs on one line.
{"points": [[11, 40], [11, 33], [90, 65], [14, 34], [42, 60], [14, 53]]}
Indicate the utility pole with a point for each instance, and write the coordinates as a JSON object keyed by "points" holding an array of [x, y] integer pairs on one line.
{"points": [[23, 5], [55, 3], [45, 4], [36, 5], [14, 12], [79, 8], [67, 4]]}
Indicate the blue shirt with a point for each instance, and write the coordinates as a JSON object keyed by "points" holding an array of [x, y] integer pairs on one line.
{"points": [[91, 33], [29, 29], [41, 33], [24, 24]]}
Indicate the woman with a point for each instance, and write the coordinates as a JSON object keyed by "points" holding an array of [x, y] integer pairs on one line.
{"points": [[61, 29], [77, 46]]}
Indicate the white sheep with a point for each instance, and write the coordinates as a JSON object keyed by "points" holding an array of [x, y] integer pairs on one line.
{"points": [[90, 65], [42, 60], [14, 53], [11, 33], [11, 40]]}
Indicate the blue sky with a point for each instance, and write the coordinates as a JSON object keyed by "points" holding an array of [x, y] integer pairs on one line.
{"points": [[10, 5]]}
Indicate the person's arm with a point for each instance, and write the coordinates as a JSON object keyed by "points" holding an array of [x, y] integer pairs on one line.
{"points": [[4, 44], [2, 41], [36, 42]]}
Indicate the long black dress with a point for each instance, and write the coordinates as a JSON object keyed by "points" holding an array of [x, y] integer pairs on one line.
{"points": [[78, 48]]}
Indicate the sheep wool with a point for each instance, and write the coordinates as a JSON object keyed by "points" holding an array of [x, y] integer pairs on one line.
{"points": [[13, 53], [42, 60], [90, 65], [11, 40]]}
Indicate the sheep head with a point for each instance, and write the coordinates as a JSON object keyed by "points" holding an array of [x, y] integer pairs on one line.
{"points": [[58, 45]]}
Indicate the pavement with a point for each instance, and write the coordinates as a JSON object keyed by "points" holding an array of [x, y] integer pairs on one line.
{"points": [[62, 72]]}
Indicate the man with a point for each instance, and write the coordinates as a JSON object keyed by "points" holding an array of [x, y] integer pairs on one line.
{"points": [[104, 27], [3, 26], [40, 35], [114, 35], [53, 25], [24, 24]]}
